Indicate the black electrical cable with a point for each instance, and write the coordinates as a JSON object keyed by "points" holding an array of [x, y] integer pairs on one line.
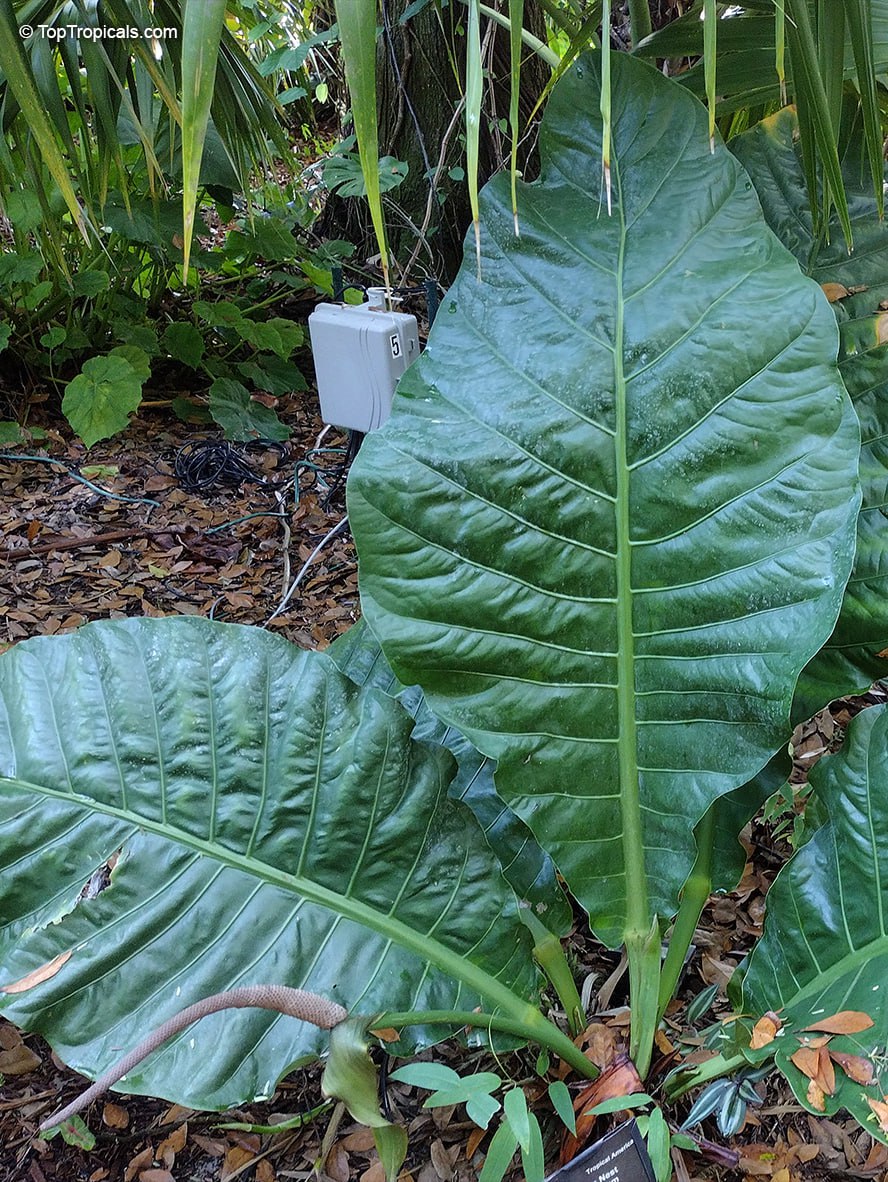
{"points": [[213, 463], [355, 439]]}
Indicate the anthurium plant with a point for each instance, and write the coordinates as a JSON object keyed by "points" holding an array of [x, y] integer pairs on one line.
{"points": [[610, 522]]}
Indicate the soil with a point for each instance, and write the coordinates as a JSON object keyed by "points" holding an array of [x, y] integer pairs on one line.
{"points": [[69, 554]]}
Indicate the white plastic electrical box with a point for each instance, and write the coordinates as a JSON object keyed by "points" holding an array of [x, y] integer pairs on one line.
{"points": [[360, 352]]}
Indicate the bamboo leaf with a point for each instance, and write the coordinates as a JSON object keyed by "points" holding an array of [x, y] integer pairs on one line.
{"points": [[474, 86], [516, 18], [710, 58], [858, 18], [21, 80], [201, 33], [357, 34]]}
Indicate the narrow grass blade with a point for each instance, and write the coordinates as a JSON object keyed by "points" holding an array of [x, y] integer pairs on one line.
{"points": [[21, 81], [780, 46], [605, 103], [201, 33], [516, 17], [814, 113], [532, 42], [710, 46], [474, 85], [357, 32], [860, 32]]}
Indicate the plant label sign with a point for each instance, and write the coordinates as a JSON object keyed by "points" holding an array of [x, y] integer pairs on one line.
{"points": [[621, 1156]]}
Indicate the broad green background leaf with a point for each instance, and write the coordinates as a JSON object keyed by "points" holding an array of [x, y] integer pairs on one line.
{"points": [[850, 661], [99, 401], [612, 514], [825, 943], [529, 870], [240, 416], [275, 822]]}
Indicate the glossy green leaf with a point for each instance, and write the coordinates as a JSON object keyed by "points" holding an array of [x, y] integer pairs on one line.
{"points": [[271, 821], [850, 660], [527, 868], [825, 942], [610, 516], [240, 416]]}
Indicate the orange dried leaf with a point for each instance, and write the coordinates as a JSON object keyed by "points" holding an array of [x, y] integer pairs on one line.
{"points": [[807, 1061], [387, 1034], [765, 1030], [37, 976], [826, 1076], [115, 1116], [815, 1096], [855, 1067], [834, 291], [880, 1108], [475, 1138], [174, 1143], [844, 1022]]}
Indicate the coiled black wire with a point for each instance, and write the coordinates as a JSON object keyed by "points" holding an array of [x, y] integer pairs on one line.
{"points": [[213, 463]]}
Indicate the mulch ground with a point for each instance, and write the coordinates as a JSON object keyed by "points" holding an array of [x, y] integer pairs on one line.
{"points": [[69, 554]]}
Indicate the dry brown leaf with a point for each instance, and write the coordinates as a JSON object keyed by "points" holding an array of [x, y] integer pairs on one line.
{"points": [[212, 1146], [360, 1141], [99, 1175], [265, 1171], [664, 1045], [855, 1067], [475, 1138], [834, 292], [781, 1175], [376, 1173], [844, 1022], [765, 1030], [115, 1116], [18, 1060], [140, 1161], [9, 1036], [620, 1079], [175, 1112], [807, 1060], [236, 1157], [336, 1165], [826, 1075], [387, 1034], [815, 1096], [173, 1144], [156, 1175], [880, 1108], [37, 975], [440, 1160]]}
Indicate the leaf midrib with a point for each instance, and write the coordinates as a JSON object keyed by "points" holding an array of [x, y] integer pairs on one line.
{"points": [[427, 948], [637, 906]]}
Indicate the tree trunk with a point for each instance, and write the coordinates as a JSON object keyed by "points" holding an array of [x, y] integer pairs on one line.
{"points": [[420, 74]]}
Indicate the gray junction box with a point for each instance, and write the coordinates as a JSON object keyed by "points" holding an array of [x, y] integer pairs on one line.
{"points": [[360, 352]]}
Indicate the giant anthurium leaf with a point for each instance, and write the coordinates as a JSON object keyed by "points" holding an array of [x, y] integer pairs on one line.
{"points": [[612, 513], [825, 944], [270, 822], [851, 659], [529, 870]]}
